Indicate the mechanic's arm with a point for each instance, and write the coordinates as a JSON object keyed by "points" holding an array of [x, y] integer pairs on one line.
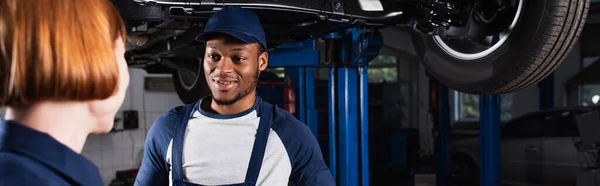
{"points": [[309, 167], [154, 170]]}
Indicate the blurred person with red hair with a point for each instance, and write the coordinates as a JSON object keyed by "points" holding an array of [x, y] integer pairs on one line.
{"points": [[63, 76]]}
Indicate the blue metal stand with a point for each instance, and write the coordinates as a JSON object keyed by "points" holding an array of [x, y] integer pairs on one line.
{"points": [[546, 91], [299, 60], [332, 122], [490, 148], [348, 97], [489, 141], [364, 121], [442, 141], [304, 83], [348, 115], [349, 155]]}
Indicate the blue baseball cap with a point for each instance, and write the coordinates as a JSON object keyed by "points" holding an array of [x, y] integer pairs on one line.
{"points": [[237, 22]]}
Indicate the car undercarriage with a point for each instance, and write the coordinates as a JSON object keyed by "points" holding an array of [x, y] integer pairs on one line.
{"points": [[299, 20], [456, 40]]}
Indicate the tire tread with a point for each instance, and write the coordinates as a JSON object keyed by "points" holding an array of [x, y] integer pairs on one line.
{"points": [[549, 49]]}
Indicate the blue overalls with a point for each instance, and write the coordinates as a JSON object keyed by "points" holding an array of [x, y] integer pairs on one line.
{"points": [[31, 157], [258, 150]]}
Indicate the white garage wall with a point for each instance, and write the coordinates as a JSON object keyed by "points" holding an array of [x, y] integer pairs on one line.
{"points": [[123, 150]]}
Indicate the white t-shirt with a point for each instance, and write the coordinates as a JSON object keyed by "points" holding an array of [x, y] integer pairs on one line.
{"points": [[217, 149]]}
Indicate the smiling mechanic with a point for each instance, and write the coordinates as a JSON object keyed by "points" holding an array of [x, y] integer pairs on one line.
{"points": [[232, 137]]}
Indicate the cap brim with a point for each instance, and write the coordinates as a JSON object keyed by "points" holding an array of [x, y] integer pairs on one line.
{"points": [[244, 37]]}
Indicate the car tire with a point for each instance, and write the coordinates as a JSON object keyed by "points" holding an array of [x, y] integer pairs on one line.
{"points": [[190, 85], [543, 35], [464, 171]]}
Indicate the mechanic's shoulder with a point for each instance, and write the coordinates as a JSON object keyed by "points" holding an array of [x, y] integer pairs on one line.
{"points": [[287, 125], [165, 124], [16, 169]]}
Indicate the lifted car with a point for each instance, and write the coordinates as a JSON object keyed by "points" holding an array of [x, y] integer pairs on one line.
{"points": [[473, 46]]}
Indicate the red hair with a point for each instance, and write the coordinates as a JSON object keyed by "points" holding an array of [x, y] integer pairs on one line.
{"points": [[58, 50]]}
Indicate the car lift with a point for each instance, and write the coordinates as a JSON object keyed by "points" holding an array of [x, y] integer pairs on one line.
{"points": [[546, 92], [348, 54], [490, 149], [489, 139]]}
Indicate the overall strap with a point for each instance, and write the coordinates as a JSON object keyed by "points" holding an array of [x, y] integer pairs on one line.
{"points": [[178, 137], [260, 143]]}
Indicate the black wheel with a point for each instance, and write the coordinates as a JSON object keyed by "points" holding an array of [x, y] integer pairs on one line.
{"points": [[464, 172], [536, 40], [190, 83]]}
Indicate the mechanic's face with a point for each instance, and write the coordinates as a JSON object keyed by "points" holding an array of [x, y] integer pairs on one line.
{"points": [[231, 68]]}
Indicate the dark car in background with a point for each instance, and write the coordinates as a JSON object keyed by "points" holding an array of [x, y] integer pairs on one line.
{"points": [[538, 148], [465, 129]]}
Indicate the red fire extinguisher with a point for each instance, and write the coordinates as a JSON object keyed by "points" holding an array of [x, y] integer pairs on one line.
{"points": [[289, 97]]}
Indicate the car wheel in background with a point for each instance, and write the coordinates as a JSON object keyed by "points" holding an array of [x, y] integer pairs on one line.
{"points": [[190, 83], [540, 35]]}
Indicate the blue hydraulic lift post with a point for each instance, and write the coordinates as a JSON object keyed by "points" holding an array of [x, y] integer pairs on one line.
{"points": [[546, 92], [364, 123], [367, 46], [348, 124], [442, 142], [347, 114], [349, 84], [302, 76], [332, 123], [312, 119], [332, 108], [489, 138], [491, 149]]}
